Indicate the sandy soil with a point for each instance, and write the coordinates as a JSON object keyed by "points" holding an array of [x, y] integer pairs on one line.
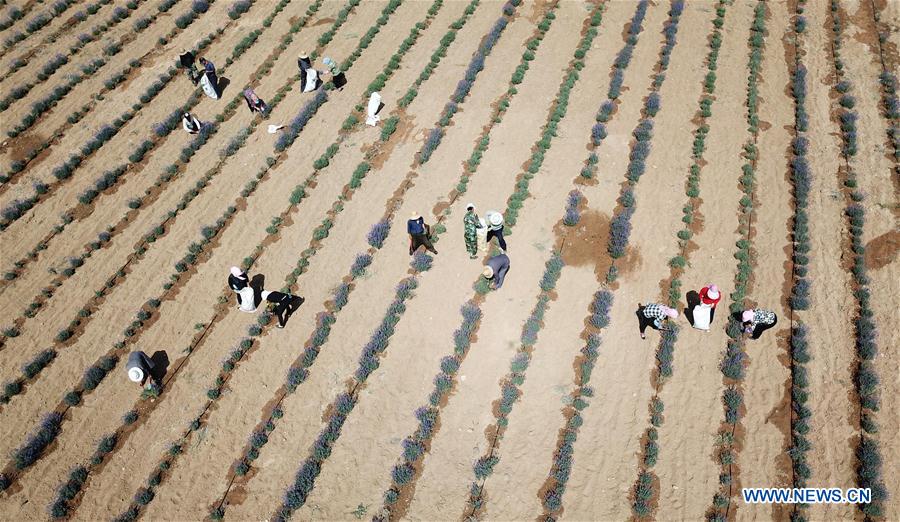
{"points": [[355, 476], [767, 418]]}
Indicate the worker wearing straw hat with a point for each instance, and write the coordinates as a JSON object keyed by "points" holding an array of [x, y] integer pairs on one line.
{"points": [[495, 228], [140, 368], [496, 270], [419, 233]]}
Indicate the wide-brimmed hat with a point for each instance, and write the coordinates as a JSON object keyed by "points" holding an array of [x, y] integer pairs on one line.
{"points": [[495, 218], [135, 374], [415, 215], [747, 315], [303, 56], [488, 272]]}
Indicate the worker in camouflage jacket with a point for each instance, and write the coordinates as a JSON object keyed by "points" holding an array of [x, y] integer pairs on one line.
{"points": [[470, 225]]}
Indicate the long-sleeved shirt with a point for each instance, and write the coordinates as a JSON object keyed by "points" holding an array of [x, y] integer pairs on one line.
{"points": [[238, 283], [762, 317], [140, 360], [705, 299], [209, 67], [657, 312], [415, 226], [500, 266]]}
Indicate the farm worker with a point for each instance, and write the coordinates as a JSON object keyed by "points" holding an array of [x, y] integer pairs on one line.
{"points": [[755, 322], [653, 315], [246, 295], [139, 368], [254, 103], [338, 78], [372, 117], [209, 71], [419, 233], [471, 224], [495, 228], [187, 61], [309, 77], [285, 305], [704, 311], [496, 269], [190, 123]]}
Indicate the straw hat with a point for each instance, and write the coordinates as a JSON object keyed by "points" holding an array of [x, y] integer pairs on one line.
{"points": [[488, 272], [135, 374], [415, 215], [303, 56]]}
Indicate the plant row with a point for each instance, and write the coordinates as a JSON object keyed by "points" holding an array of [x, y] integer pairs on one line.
{"points": [[35, 24], [48, 102], [801, 181], [868, 453], [320, 232], [299, 370], [88, 69], [890, 103], [132, 332], [734, 360], [161, 130], [644, 486], [369, 362], [119, 13], [404, 474], [476, 65]]}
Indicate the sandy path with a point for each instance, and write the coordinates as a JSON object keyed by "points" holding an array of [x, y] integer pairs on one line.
{"points": [[64, 194], [405, 375], [763, 461], [687, 470], [833, 425], [134, 290], [336, 362], [193, 382], [266, 371], [625, 359], [109, 209], [874, 165]]}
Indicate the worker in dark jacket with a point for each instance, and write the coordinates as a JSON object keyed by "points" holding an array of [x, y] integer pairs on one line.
{"points": [[419, 233], [140, 368], [285, 305], [496, 269]]}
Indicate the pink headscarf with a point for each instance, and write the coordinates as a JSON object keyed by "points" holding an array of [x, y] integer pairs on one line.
{"points": [[712, 291], [251, 96], [236, 272], [671, 312], [747, 316]]}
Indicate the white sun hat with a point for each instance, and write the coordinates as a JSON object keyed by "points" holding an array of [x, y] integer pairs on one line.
{"points": [[135, 374], [495, 218]]}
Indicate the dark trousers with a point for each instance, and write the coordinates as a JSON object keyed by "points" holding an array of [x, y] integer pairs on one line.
{"points": [[644, 321], [284, 306], [760, 328], [417, 240], [499, 235]]}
